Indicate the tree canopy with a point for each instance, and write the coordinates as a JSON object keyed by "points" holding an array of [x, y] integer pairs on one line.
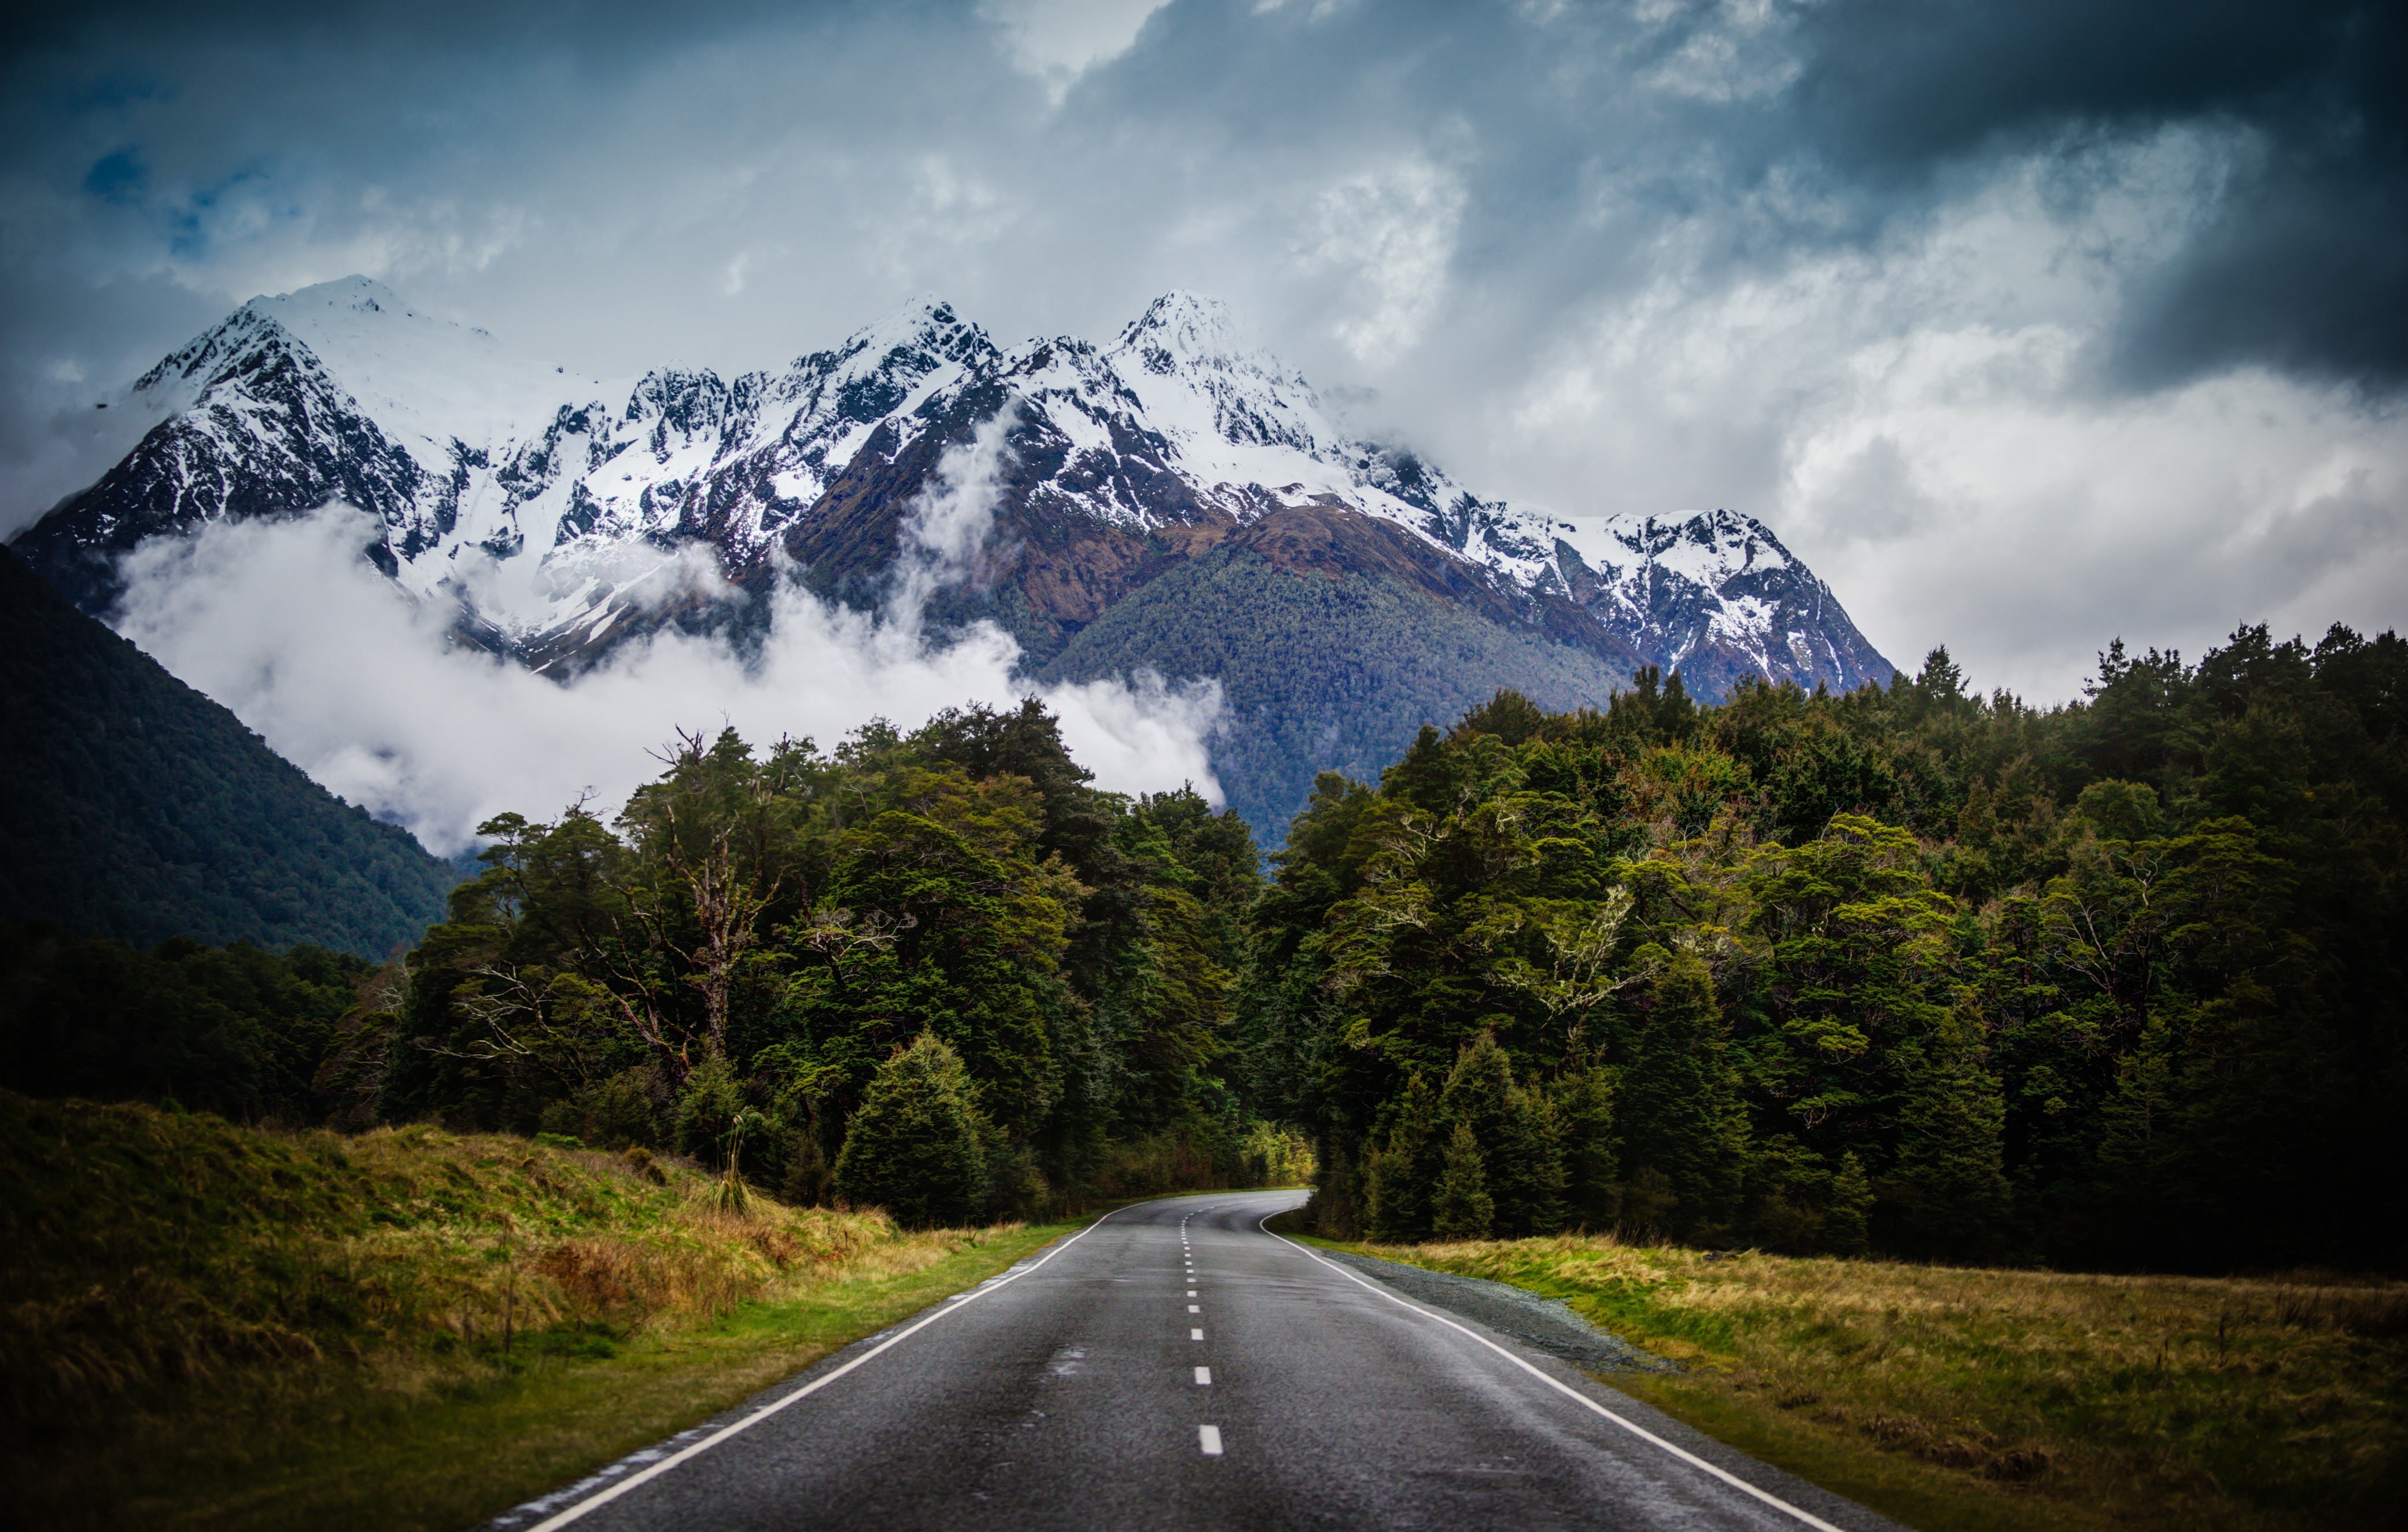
{"points": [[2112, 984]]}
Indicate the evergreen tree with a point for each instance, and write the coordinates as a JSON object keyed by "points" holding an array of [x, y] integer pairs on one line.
{"points": [[1679, 1103], [1522, 1157], [1592, 1175], [707, 1108], [1949, 1183], [1399, 1176], [2134, 957], [1845, 1225], [1461, 1208], [914, 1147]]}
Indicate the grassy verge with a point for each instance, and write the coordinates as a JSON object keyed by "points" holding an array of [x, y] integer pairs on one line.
{"points": [[207, 1325], [1978, 1399]]}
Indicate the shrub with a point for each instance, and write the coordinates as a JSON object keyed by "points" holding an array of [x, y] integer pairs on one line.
{"points": [[914, 1147]]}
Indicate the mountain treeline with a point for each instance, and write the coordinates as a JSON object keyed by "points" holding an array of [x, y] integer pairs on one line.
{"points": [[2115, 985], [937, 972], [136, 807]]}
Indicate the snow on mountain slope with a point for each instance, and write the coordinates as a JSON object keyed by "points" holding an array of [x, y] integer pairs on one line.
{"points": [[425, 382], [562, 511]]}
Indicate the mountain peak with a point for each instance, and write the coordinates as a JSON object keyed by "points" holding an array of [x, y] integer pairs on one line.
{"points": [[923, 321], [1181, 328], [347, 303], [361, 294]]}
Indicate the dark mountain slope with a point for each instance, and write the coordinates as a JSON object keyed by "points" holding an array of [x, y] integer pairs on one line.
{"points": [[1321, 671], [131, 805]]}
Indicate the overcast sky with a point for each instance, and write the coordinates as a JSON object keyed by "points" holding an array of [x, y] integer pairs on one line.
{"points": [[2028, 323]]}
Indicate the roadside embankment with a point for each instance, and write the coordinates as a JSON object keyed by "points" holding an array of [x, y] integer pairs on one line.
{"points": [[1978, 1398], [206, 1324]]}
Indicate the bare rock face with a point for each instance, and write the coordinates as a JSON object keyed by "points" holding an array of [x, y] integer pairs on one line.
{"points": [[1073, 477]]}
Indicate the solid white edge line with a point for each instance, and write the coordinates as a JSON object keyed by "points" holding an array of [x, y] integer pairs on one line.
{"points": [[1734, 1480], [603, 1498]]}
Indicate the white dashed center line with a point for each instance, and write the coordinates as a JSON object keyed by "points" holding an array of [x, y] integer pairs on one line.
{"points": [[1208, 1437], [1195, 1308], [1191, 1291], [1195, 1335], [1203, 1376]]}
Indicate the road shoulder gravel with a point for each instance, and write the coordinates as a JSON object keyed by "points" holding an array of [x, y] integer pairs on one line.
{"points": [[1544, 1324]]}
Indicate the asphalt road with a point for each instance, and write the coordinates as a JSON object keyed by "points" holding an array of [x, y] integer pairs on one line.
{"points": [[1174, 1365]]}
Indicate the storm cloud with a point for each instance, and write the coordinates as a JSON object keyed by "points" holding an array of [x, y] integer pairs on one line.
{"points": [[2027, 324]]}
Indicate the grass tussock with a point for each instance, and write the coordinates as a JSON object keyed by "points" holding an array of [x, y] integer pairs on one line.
{"points": [[181, 1290], [1985, 1398]]}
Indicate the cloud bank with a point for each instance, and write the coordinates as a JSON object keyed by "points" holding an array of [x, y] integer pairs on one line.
{"points": [[342, 674]]}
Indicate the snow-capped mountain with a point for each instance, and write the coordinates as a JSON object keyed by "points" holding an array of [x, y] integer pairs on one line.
{"points": [[563, 514]]}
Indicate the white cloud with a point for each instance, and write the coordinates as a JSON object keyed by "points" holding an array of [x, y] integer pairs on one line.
{"points": [[2012, 516], [1387, 234], [284, 624], [1060, 40], [1924, 421]]}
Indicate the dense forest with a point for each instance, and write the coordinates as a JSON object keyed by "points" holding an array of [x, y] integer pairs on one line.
{"points": [[136, 808], [938, 972], [2115, 985], [237, 1031]]}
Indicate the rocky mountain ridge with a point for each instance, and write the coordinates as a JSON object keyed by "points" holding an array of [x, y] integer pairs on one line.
{"points": [[563, 516]]}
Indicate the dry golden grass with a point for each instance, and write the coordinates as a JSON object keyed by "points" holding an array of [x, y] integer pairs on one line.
{"points": [[2006, 1398], [209, 1325]]}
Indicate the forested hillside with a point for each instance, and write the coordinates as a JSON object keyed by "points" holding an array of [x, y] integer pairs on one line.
{"points": [[2115, 985], [136, 807], [1332, 668], [236, 1031]]}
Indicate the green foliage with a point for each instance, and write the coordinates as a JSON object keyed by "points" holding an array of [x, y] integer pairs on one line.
{"points": [[1399, 1175], [235, 1030], [2117, 983], [1949, 1183], [1524, 1169], [136, 807], [1843, 1228], [1461, 1206], [708, 1109], [1583, 1113], [914, 1147], [1682, 1132], [760, 931]]}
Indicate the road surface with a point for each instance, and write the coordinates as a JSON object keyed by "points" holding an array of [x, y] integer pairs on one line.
{"points": [[1176, 1366]]}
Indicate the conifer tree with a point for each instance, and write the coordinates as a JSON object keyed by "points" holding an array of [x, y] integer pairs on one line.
{"points": [[1462, 1207], [1844, 1226], [914, 1147], [1399, 1177], [707, 1108], [1523, 1160], [1592, 1174], [1949, 1183], [1679, 1106]]}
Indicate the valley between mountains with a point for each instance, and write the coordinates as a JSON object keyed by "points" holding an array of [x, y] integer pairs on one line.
{"points": [[1175, 502]]}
